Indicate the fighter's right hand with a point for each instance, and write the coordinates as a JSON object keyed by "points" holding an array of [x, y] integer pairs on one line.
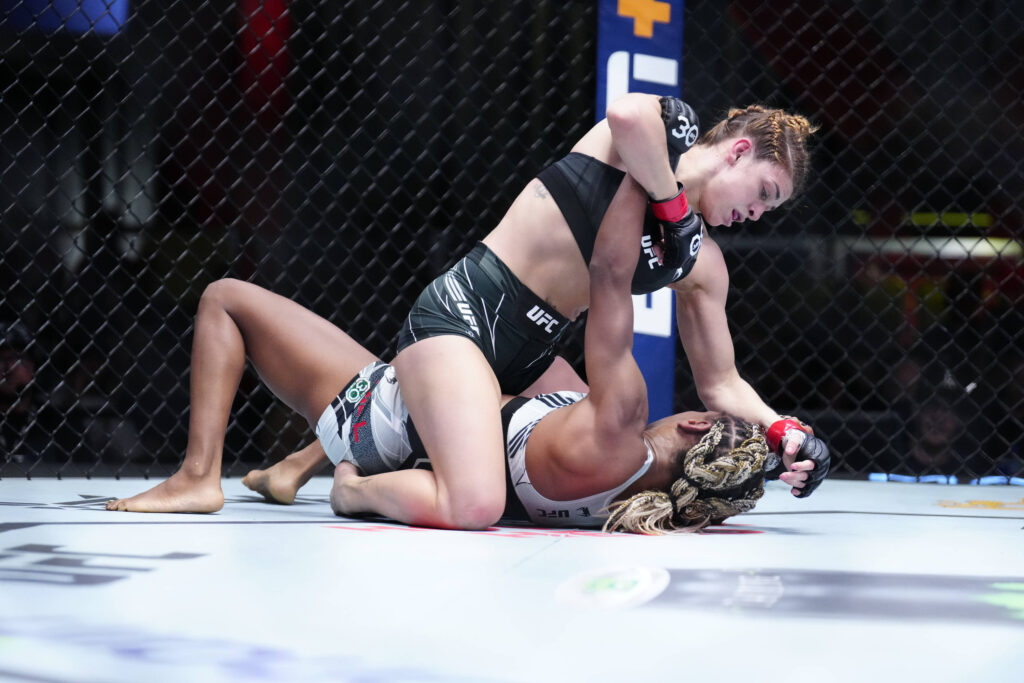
{"points": [[680, 225]]}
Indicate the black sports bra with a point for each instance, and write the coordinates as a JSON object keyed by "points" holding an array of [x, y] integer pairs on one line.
{"points": [[583, 187]]}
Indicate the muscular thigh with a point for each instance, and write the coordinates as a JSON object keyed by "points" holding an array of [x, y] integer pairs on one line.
{"points": [[453, 399], [303, 358]]}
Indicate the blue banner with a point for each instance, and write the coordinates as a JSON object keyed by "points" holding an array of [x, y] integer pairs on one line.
{"points": [[102, 17], [640, 49]]}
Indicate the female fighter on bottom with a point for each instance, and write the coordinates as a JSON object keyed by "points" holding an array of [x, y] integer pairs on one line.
{"points": [[570, 458]]}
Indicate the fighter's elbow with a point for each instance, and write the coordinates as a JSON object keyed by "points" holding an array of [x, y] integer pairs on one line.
{"points": [[609, 269], [626, 114]]}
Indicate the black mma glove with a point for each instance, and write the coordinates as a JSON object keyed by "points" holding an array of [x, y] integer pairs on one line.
{"points": [[681, 125], [812, 448], [679, 225]]}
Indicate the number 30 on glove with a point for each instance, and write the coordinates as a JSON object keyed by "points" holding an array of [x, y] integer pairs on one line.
{"points": [[812, 448]]}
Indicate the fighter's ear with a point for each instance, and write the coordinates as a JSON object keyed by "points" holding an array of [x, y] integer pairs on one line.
{"points": [[693, 425], [739, 148]]}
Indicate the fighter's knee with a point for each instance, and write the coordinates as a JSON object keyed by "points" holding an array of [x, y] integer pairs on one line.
{"points": [[477, 514], [220, 290]]}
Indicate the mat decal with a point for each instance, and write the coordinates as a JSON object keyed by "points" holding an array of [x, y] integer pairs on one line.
{"points": [[83, 501], [93, 502], [537, 532], [182, 654], [508, 532], [36, 563], [800, 593], [615, 588]]}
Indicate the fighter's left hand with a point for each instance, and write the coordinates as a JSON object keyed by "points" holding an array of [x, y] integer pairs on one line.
{"points": [[792, 442], [795, 443], [797, 475]]}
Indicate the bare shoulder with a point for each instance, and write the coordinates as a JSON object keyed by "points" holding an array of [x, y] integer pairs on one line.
{"points": [[598, 143]]}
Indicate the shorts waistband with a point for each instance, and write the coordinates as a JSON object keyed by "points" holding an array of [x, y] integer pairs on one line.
{"points": [[535, 317]]}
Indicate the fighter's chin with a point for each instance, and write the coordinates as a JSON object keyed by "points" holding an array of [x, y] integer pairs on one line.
{"points": [[715, 221]]}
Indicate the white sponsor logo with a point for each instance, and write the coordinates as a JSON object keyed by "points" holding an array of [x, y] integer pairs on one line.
{"points": [[542, 318], [467, 315], [695, 243], [645, 69], [357, 390], [652, 313], [647, 244]]}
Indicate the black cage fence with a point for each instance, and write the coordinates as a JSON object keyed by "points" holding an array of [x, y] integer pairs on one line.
{"points": [[343, 153]]}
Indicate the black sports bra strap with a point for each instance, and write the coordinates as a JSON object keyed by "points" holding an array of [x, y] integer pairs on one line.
{"points": [[568, 201]]}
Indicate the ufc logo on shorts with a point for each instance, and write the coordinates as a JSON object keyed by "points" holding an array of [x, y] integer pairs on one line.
{"points": [[451, 283], [542, 318], [467, 315]]}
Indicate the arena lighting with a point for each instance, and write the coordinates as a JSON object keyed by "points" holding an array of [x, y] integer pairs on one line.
{"points": [[927, 219], [949, 248]]}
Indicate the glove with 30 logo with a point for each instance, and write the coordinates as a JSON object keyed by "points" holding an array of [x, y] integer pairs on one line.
{"points": [[681, 125]]}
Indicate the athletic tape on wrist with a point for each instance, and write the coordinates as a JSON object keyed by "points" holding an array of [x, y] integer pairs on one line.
{"points": [[673, 209], [777, 432]]}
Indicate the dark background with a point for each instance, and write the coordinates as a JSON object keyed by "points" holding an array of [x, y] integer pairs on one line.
{"points": [[343, 153]]}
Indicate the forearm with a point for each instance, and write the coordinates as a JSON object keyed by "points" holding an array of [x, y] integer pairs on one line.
{"points": [[638, 135], [617, 244], [737, 397]]}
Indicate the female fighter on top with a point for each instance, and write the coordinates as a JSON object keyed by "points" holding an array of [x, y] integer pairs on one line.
{"points": [[571, 458], [489, 324]]}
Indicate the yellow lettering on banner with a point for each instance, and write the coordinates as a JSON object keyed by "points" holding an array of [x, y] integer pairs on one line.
{"points": [[644, 13], [984, 504]]}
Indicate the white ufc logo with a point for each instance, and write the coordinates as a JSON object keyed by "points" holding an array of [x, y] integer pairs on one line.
{"points": [[542, 318], [467, 315]]}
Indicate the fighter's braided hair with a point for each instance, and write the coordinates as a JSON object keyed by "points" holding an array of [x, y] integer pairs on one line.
{"points": [[778, 136], [722, 475]]}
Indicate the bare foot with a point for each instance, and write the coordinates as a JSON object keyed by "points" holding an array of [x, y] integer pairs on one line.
{"points": [[345, 476], [277, 484], [280, 482], [179, 493]]}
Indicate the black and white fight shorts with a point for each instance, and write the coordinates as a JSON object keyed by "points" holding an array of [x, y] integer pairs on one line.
{"points": [[481, 299], [368, 424]]}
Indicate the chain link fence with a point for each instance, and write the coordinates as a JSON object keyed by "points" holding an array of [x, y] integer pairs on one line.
{"points": [[342, 154]]}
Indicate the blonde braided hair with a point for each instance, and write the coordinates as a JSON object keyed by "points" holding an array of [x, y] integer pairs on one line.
{"points": [[778, 136], [716, 480]]}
